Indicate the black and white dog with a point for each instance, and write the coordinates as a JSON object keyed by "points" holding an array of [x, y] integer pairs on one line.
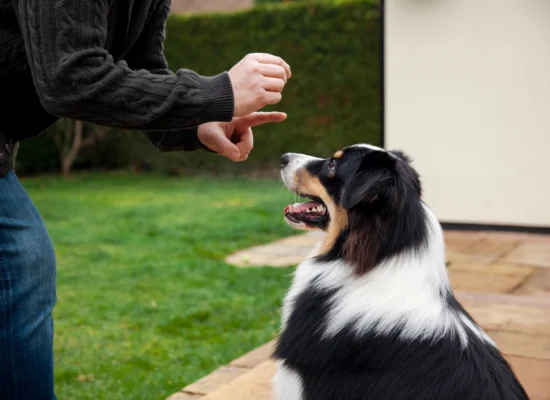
{"points": [[370, 314]]}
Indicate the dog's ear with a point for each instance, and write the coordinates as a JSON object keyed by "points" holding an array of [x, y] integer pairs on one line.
{"points": [[408, 171], [366, 187], [401, 155], [372, 181]]}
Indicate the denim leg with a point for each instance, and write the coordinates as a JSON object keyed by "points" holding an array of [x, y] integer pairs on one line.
{"points": [[27, 297]]}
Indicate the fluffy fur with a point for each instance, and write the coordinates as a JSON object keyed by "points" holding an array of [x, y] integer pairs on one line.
{"points": [[370, 314]]}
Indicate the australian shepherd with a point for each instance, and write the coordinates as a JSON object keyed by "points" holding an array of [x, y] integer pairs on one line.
{"points": [[370, 314]]}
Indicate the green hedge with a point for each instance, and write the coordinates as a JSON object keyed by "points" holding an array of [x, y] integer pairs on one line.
{"points": [[332, 100]]}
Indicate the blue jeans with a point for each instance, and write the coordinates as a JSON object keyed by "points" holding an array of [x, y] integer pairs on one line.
{"points": [[27, 297]]}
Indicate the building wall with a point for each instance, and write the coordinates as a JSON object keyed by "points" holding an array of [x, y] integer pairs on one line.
{"points": [[181, 6], [468, 96]]}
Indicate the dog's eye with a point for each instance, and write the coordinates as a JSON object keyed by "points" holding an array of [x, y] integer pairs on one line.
{"points": [[331, 165]]}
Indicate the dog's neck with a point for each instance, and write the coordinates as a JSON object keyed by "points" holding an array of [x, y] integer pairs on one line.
{"points": [[338, 224], [364, 238], [425, 263]]}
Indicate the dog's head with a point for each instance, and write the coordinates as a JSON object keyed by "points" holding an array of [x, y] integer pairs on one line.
{"points": [[366, 198]]}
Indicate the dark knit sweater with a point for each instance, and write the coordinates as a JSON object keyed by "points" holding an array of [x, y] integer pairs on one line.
{"points": [[101, 64]]}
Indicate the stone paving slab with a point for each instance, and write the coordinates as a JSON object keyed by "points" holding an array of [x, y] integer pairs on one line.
{"points": [[497, 284], [508, 313], [225, 374], [216, 379], [495, 269], [282, 253], [254, 385], [530, 252], [496, 298], [538, 284], [482, 247], [522, 345], [459, 241], [462, 246], [534, 375], [185, 396], [255, 357], [493, 278], [494, 246]]}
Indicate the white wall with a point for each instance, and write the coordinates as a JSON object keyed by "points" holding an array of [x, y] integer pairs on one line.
{"points": [[468, 96]]}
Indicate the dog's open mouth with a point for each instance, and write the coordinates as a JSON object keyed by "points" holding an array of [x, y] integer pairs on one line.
{"points": [[312, 214]]}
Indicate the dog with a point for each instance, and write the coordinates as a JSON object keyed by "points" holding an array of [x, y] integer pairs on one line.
{"points": [[370, 315]]}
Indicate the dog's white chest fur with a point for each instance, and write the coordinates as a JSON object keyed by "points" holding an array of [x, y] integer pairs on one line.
{"points": [[287, 384]]}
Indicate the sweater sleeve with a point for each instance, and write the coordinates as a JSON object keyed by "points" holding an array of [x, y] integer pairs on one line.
{"points": [[148, 53], [148, 50], [76, 77]]}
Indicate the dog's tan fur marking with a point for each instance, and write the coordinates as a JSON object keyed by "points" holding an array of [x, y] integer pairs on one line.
{"points": [[338, 154], [307, 183], [338, 222]]}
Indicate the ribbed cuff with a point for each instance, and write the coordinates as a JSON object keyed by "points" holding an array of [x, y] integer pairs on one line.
{"points": [[218, 100]]}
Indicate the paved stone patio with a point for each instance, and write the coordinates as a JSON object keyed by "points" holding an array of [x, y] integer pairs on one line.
{"points": [[282, 253], [502, 279]]}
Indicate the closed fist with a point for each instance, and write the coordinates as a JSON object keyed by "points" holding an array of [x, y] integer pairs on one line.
{"points": [[258, 80]]}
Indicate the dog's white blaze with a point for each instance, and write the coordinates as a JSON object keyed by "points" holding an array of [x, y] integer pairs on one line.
{"points": [[287, 384], [368, 146], [296, 162], [405, 292], [375, 148]]}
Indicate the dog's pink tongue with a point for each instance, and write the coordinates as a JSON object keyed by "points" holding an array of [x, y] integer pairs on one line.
{"points": [[301, 207]]}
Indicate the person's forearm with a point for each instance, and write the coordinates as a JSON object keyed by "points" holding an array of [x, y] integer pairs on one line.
{"points": [[76, 78], [183, 140]]}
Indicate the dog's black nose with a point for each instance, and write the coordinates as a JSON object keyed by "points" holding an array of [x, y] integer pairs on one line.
{"points": [[285, 159]]}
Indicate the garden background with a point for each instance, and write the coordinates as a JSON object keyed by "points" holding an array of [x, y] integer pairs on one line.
{"points": [[146, 303]]}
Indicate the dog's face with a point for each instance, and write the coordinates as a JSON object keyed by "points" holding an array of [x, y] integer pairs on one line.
{"points": [[359, 189]]}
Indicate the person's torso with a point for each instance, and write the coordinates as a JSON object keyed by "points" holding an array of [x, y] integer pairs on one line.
{"points": [[21, 114]]}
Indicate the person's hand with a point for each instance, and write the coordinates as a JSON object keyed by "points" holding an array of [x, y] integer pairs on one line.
{"points": [[258, 80], [234, 139]]}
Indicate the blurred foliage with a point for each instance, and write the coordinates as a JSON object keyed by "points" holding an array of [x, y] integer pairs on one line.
{"points": [[332, 100]]}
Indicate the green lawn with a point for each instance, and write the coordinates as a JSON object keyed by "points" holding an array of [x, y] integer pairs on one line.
{"points": [[146, 303]]}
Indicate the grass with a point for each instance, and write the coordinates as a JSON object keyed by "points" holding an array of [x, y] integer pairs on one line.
{"points": [[146, 303]]}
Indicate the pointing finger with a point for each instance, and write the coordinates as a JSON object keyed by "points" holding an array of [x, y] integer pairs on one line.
{"points": [[260, 118]]}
